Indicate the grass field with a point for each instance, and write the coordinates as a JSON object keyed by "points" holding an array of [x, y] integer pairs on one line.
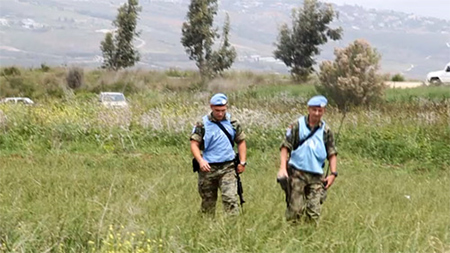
{"points": [[77, 178]]}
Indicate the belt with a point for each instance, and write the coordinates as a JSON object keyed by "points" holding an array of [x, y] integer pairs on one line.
{"points": [[303, 171], [222, 163]]}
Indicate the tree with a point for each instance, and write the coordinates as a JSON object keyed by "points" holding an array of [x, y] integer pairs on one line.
{"points": [[224, 57], [198, 36], [117, 48], [352, 79], [297, 46], [109, 52]]}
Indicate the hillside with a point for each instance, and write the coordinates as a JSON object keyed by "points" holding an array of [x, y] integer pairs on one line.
{"points": [[69, 32]]}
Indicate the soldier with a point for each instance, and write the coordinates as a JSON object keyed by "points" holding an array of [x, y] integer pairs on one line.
{"points": [[308, 142], [216, 165]]}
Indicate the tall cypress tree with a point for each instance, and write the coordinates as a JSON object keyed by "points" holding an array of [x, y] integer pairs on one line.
{"points": [[117, 48], [224, 57], [198, 36]]}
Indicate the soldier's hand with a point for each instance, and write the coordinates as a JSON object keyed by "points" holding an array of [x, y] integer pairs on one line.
{"points": [[329, 181], [282, 173], [240, 168], [204, 166]]}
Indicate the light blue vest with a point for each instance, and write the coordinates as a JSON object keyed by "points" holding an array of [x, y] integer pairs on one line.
{"points": [[310, 156], [218, 148]]}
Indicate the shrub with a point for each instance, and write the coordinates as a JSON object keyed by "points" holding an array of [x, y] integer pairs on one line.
{"points": [[352, 79], [398, 78], [49, 87], [45, 67], [19, 86], [74, 78], [11, 71]]}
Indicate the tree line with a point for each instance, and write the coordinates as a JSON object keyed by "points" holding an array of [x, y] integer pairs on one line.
{"points": [[351, 79]]}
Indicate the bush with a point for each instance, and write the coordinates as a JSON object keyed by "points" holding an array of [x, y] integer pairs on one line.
{"points": [[74, 78], [398, 78], [352, 78], [11, 71], [45, 67], [50, 86], [18, 86]]}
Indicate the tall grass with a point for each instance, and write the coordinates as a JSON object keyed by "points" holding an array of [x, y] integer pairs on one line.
{"points": [[76, 177], [118, 202], [394, 133], [434, 93], [42, 85]]}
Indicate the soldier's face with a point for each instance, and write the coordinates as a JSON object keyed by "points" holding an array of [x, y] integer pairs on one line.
{"points": [[316, 113], [219, 111]]}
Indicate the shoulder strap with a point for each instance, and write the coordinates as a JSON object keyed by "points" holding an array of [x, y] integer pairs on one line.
{"points": [[307, 137], [225, 131]]}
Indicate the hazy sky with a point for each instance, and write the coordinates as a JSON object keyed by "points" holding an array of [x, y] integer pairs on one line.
{"points": [[434, 8]]}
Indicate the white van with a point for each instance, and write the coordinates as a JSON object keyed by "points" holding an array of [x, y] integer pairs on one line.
{"points": [[17, 100], [113, 99], [439, 77]]}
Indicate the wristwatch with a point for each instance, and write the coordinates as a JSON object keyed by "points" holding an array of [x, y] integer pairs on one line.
{"points": [[243, 163], [334, 173]]}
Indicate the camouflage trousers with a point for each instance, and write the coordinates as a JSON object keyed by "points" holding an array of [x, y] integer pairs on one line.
{"points": [[223, 177], [305, 195]]}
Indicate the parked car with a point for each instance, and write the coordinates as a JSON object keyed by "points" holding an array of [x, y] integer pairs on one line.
{"points": [[113, 99], [439, 77], [17, 100]]}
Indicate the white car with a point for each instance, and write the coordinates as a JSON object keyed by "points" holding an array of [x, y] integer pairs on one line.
{"points": [[113, 99], [439, 77], [17, 100]]}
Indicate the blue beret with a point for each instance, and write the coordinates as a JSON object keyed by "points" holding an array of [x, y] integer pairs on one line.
{"points": [[320, 101], [219, 99]]}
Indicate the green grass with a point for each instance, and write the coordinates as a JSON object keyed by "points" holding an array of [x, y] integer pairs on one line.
{"points": [[69, 201], [293, 90], [77, 178], [436, 93]]}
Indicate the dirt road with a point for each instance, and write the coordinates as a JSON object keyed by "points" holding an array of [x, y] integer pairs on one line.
{"points": [[403, 85]]}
